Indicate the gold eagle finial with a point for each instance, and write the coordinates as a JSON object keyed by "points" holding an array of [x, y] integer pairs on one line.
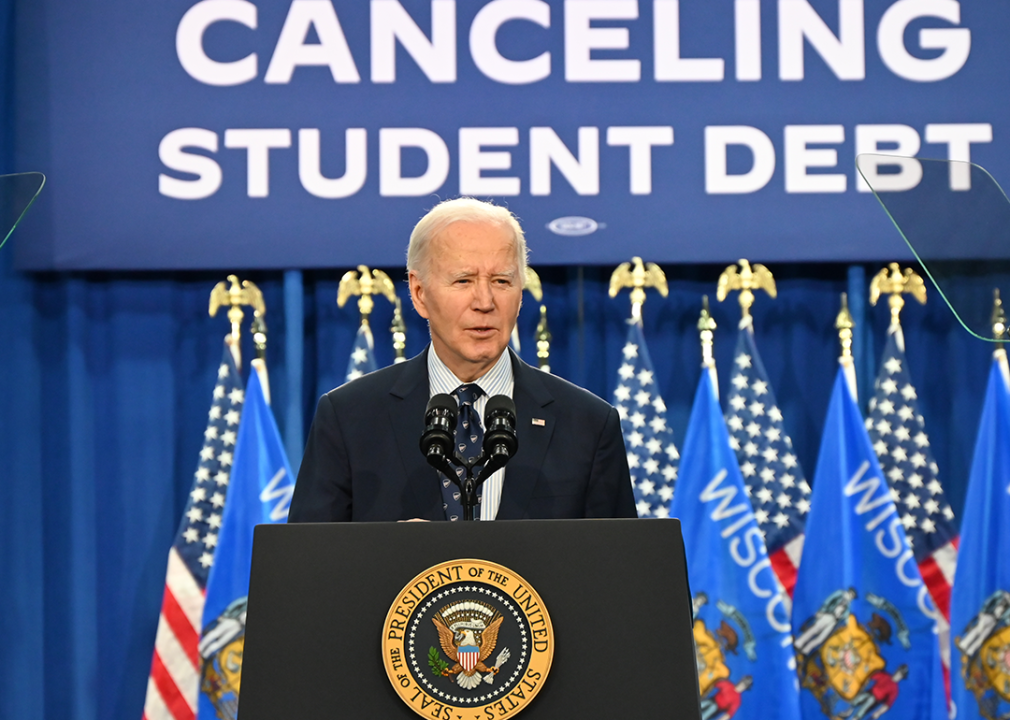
{"points": [[746, 280], [234, 295], [638, 276], [365, 283], [895, 282]]}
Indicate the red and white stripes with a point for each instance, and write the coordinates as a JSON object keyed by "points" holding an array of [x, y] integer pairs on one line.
{"points": [[174, 684]]}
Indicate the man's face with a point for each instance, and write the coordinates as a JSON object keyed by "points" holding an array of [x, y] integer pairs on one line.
{"points": [[470, 295]]}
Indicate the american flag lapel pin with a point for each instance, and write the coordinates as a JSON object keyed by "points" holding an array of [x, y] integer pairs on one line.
{"points": [[539, 422]]}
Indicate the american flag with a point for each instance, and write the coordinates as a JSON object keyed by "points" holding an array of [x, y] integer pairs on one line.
{"points": [[362, 355], [772, 473], [652, 456], [898, 434], [173, 686]]}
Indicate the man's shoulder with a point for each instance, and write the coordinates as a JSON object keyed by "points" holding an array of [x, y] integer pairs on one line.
{"points": [[374, 384], [569, 394]]}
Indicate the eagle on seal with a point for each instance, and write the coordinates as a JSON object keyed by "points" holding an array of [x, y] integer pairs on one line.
{"points": [[468, 634]]}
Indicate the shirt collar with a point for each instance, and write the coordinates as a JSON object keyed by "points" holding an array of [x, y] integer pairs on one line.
{"points": [[496, 381]]}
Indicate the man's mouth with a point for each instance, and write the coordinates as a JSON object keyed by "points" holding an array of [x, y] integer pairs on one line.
{"points": [[482, 331]]}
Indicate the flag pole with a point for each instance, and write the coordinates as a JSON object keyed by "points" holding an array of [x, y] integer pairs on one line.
{"points": [[706, 329], [399, 332], [999, 331], [844, 324], [543, 341]]}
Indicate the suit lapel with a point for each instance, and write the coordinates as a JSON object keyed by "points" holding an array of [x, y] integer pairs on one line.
{"points": [[408, 400], [523, 471]]}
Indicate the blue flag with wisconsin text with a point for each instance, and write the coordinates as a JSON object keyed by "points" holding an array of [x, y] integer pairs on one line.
{"points": [[863, 622], [741, 619], [980, 604], [260, 491]]}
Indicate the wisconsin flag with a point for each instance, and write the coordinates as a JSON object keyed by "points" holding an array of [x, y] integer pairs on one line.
{"points": [[260, 492], [980, 603], [741, 622], [863, 623]]}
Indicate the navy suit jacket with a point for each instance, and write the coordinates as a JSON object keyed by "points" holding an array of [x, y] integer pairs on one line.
{"points": [[363, 461]]}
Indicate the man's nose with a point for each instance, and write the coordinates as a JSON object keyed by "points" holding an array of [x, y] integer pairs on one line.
{"points": [[483, 297]]}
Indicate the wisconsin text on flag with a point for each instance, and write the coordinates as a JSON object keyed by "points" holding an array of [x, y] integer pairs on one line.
{"points": [[865, 633], [652, 455], [742, 635], [173, 686], [775, 482]]}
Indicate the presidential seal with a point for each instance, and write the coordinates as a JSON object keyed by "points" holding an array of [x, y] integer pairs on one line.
{"points": [[467, 640]]}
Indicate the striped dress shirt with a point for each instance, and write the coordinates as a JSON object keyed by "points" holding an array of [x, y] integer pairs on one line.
{"points": [[496, 381]]}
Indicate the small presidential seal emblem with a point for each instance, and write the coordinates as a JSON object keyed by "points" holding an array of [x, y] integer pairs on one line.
{"points": [[467, 640]]}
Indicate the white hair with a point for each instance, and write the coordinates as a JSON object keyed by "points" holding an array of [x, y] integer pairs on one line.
{"points": [[464, 209]]}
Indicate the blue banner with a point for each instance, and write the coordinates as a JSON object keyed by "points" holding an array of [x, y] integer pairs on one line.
{"points": [[741, 618], [863, 623], [259, 491], [314, 133], [980, 602]]}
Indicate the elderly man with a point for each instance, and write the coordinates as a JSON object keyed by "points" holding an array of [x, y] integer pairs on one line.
{"points": [[466, 263]]}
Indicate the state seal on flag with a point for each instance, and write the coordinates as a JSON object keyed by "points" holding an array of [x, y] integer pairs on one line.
{"points": [[842, 661], [467, 636], [985, 656]]}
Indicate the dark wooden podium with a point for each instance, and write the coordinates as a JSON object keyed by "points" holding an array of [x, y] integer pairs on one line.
{"points": [[616, 592]]}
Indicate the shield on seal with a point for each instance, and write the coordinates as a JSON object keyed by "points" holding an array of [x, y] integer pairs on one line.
{"points": [[468, 657], [996, 662]]}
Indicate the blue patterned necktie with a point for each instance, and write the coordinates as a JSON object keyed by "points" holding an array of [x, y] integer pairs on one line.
{"points": [[469, 438]]}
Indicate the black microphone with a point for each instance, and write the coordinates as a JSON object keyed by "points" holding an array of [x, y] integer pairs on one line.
{"points": [[500, 441], [439, 434]]}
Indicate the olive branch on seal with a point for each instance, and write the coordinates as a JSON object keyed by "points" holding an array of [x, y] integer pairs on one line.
{"points": [[435, 662]]}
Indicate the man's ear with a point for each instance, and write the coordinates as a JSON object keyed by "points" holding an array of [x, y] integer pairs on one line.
{"points": [[417, 294]]}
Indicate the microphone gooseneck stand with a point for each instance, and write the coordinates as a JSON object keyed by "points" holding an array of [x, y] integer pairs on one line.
{"points": [[438, 444]]}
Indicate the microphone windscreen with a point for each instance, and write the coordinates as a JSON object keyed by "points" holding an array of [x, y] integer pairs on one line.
{"points": [[500, 402], [442, 401]]}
